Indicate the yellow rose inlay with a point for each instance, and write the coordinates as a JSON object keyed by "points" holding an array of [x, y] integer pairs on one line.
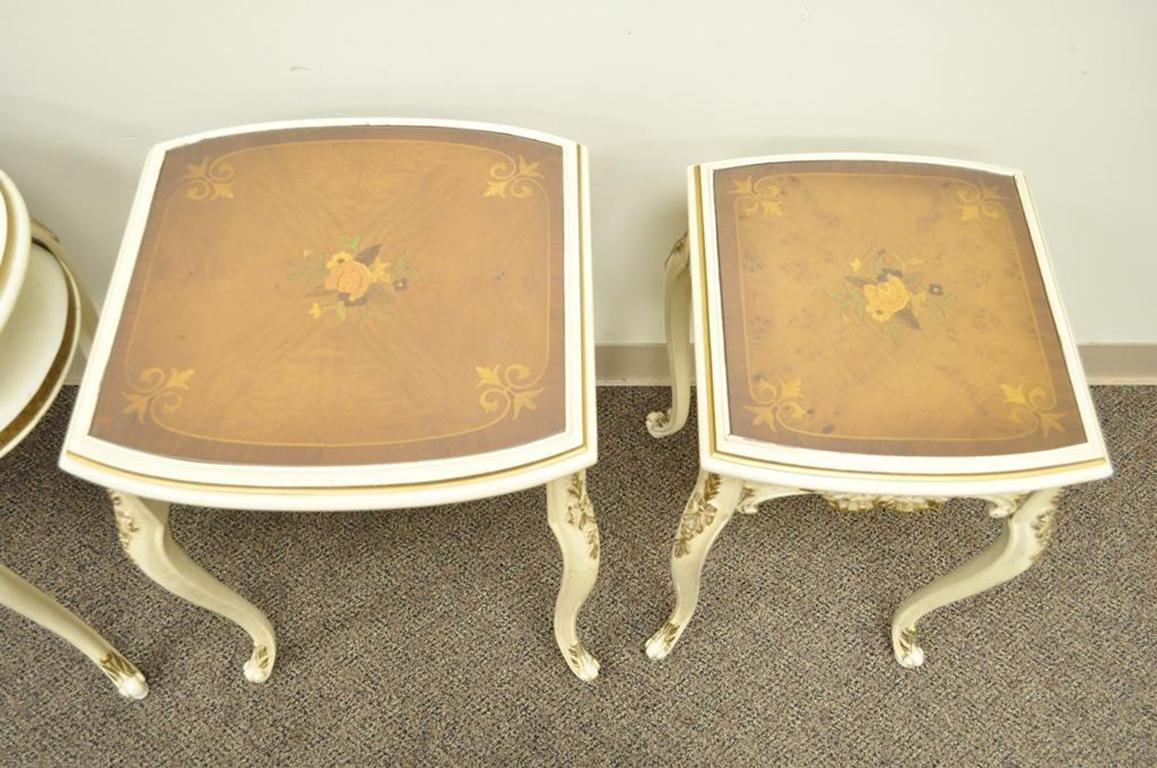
{"points": [[886, 299], [351, 278]]}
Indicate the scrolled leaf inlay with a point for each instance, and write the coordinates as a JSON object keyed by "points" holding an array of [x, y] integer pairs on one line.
{"points": [[508, 389]]}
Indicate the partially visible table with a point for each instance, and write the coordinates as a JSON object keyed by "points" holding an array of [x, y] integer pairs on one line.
{"points": [[44, 317], [884, 331], [346, 314]]}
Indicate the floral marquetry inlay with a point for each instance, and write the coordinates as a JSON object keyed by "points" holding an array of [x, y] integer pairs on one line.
{"points": [[334, 286], [897, 293], [351, 277]]}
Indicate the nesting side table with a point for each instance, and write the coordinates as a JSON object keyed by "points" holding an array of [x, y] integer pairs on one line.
{"points": [[882, 331], [353, 314], [44, 318]]}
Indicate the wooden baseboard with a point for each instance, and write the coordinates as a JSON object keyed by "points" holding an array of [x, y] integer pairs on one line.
{"points": [[646, 364]]}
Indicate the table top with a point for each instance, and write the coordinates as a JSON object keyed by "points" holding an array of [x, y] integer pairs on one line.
{"points": [[395, 309], [883, 320]]}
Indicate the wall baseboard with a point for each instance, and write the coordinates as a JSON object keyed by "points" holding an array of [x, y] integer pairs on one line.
{"points": [[641, 365], [646, 364]]}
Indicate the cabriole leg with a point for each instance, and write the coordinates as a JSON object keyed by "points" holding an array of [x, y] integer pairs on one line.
{"points": [[143, 526], [1021, 542], [677, 316], [709, 509], [30, 602], [572, 519]]}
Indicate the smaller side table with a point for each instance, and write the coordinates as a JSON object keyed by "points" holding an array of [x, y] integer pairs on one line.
{"points": [[883, 331], [43, 318]]}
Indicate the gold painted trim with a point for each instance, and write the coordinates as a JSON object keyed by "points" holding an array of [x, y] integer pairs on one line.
{"points": [[583, 447], [713, 436], [117, 667]]}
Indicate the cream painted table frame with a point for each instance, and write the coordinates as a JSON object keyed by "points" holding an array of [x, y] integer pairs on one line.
{"points": [[20, 234], [738, 475], [143, 486]]}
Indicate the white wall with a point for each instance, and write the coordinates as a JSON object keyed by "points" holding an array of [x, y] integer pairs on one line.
{"points": [[1064, 90]]}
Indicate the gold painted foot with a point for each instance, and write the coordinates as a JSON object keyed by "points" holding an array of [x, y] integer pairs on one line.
{"points": [[572, 519], [143, 527], [30, 602], [1027, 527], [677, 315], [708, 511]]}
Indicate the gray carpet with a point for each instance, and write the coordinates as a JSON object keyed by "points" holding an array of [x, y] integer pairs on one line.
{"points": [[423, 637]]}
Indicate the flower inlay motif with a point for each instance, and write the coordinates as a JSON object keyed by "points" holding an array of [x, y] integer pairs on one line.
{"points": [[759, 197], [978, 201], [157, 393], [515, 179], [778, 403], [1035, 408], [351, 277], [208, 180]]}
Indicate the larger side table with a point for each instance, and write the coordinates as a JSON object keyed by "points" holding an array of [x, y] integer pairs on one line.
{"points": [[346, 314], [883, 331]]}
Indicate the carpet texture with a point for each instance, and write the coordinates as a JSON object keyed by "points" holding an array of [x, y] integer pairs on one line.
{"points": [[422, 637]]}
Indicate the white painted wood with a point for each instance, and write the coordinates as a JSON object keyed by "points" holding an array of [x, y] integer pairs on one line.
{"points": [[677, 317], [37, 343], [145, 535], [20, 596], [772, 464], [555, 461], [30, 341], [1025, 534], [738, 473], [708, 511], [1027, 527], [45, 239], [571, 517], [15, 243]]}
